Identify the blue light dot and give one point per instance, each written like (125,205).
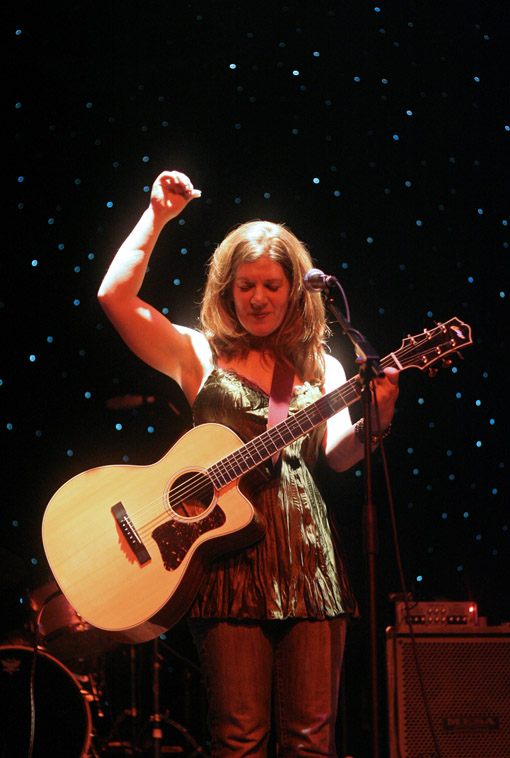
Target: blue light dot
(357,79)
(177,282)
(502,294)
(164,311)
(421,401)
(479,443)
(150,429)
(33,561)
(336,193)
(316,180)
(480,211)
(476,78)
(88,395)
(267,195)
(34,263)
(184,250)
(459,568)
(69,453)
(419,578)
(466,514)
(409,113)
(451,477)
(15,523)
(471,279)
(410,450)
(478,537)
(118,427)
(419,223)
(76,302)
(478,402)
(492,421)
(232,66)
(416,471)
(408,184)
(370,240)
(494,491)
(444,516)
(145,159)
(458,395)
(295,73)
(109,204)
(31,358)
(396,137)
(9,426)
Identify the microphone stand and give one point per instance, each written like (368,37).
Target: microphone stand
(369,369)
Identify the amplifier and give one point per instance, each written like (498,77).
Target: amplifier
(438,614)
(466,676)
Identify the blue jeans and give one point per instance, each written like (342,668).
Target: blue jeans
(258,670)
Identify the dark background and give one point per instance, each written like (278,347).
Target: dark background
(379,134)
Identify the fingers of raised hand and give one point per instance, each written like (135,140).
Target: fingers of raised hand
(176,182)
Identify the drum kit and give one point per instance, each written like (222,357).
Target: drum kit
(69,690)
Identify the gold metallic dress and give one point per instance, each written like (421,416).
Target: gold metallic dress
(292,570)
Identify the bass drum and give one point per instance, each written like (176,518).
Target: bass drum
(63,724)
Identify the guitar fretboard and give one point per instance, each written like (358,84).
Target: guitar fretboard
(273,440)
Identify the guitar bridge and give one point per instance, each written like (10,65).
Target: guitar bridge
(132,537)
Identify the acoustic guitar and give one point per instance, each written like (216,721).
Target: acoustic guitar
(128,545)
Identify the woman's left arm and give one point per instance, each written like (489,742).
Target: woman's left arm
(342,445)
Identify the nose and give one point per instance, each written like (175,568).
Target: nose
(258,299)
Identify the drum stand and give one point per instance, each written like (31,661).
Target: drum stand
(157,718)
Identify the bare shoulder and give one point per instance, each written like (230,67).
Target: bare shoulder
(335,374)
(193,375)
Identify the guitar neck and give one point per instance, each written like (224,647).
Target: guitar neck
(263,447)
(422,351)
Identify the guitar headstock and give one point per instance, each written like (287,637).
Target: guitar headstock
(432,345)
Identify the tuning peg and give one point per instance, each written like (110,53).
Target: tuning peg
(459,354)
(446,362)
(432,372)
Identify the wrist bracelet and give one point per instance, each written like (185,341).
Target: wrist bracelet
(359,431)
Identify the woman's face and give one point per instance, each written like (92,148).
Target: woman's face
(261,296)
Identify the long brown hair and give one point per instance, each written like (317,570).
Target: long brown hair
(301,337)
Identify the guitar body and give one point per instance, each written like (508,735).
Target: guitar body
(135,570)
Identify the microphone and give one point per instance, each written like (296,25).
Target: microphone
(316,280)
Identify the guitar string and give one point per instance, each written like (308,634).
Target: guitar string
(202,482)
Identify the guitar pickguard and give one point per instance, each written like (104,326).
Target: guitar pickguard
(175,538)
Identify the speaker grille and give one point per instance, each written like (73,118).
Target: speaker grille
(467,681)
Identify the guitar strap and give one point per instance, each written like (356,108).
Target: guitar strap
(279,398)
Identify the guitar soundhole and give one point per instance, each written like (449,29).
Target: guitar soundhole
(190,494)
